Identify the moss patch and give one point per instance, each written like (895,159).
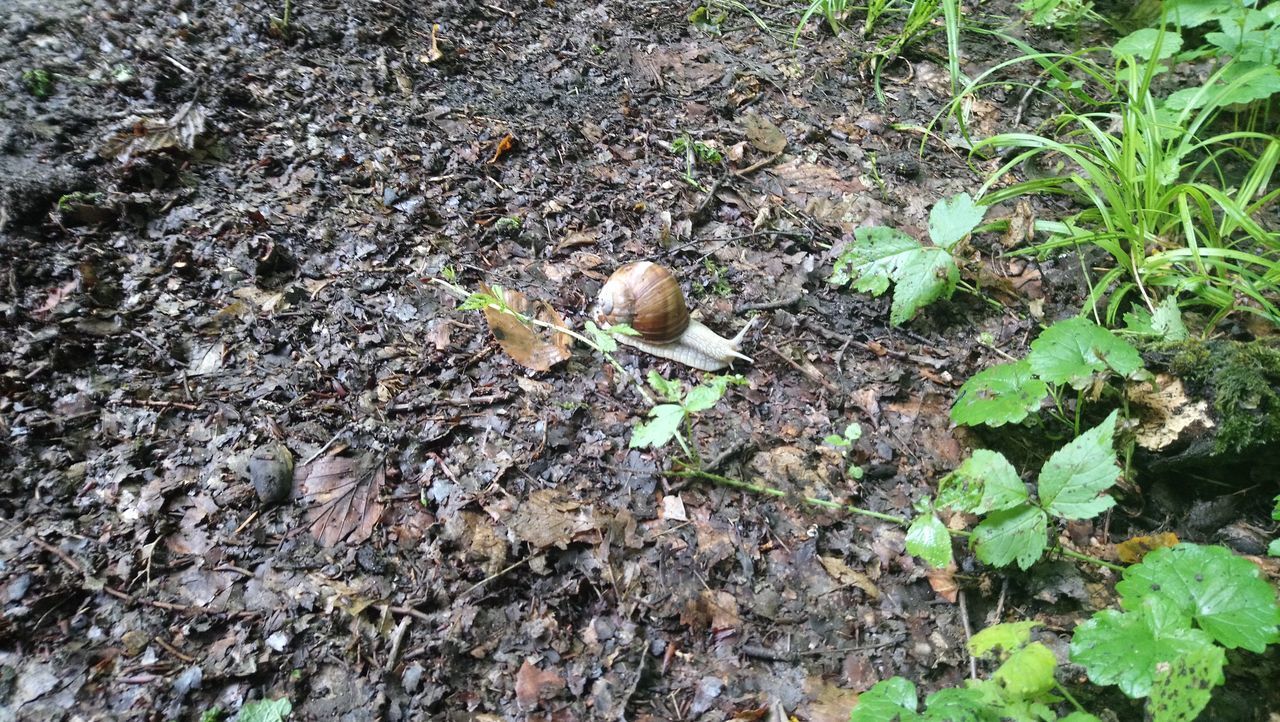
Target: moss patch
(1243,378)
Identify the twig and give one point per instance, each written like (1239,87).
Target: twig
(968,635)
(758,165)
(791,300)
(491,577)
(812,375)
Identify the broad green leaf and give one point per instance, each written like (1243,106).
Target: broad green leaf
(1018,534)
(1224,594)
(922,278)
(662,427)
(1073,479)
(1071,351)
(602,339)
(703,397)
(1000,640)
(873,258)
(1142,44)
(1028,672)
(928,539)
(1273,549)
(671,390)
(266,710)
(1165,323)
(836,440)
(853,431)
(892,699)
(481,301)
(960,704)
(1190,13)
(986,481)
(1127,648)
(1079,717)
(1002,394)
(1183,686)
(951,219)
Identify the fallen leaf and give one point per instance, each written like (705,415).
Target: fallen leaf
(673,509)
(505,145)
(520,341)
(763,134)
(847,576)
(547,518)
(533,685)
(342,497)
(713,610)
(943,582)
(1132,550)
(148,135)
(434,53)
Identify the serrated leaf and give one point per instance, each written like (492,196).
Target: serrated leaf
(1018,534)
(670,390)
(1072,480)
(960,704)
(1190,13)
(928,539)
(603,340)
(922,278)
(892,699)
(1072,351)
(874,256)
(1028,672)
(1002,394)
(267,710)
(1183,685)
(999,640)
(1126,648)
(1142,44)
(1165,323)
(702,397)
(951,219)
(662,427)
(1222,592)
(1079,717)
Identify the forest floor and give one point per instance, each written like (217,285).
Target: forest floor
(219,230)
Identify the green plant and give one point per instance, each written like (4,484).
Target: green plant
(674,419)
(1058,13)
(695,152)
(852,433)
(38,82)
(1075,354)
(280,25)
(719,283)
(508,224)
(921,274)
(1180,607)
(1022,687)
(1274,548)
(833,11)
(213,714)
(1071,485)
(266,710)
(1159,198)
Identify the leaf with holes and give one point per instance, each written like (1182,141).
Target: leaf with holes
(1127,649)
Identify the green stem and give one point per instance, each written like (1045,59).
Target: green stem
(1063,691)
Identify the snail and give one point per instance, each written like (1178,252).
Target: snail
(646,297)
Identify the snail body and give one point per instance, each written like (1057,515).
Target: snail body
(646,297)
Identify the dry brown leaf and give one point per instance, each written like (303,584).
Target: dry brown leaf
(1131,551)
(763,134)
(148,136)
(713,610)
(943,582)
(847,576)
(521,342)
(342,494)
(505,145)
(826,702)
(547,518)
(533,685)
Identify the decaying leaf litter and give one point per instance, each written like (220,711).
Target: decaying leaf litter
(251,452)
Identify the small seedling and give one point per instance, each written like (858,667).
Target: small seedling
(673,420)
(852,433)
(38,82)
(266,710)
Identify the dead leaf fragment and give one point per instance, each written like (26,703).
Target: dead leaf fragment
(435,53)
(1166,412)
(534,685)
(522,342)
(847,576)
(342,494)
(943,582)
(149,136)
(1131,551)
(763,134)
(547,518)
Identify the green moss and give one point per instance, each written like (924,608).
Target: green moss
(1243,378)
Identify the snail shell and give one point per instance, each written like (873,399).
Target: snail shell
(647,297)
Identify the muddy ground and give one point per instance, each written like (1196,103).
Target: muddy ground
(218,232)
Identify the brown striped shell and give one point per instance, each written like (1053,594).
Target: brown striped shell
(646,297)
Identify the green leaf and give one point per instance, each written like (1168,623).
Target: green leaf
(1000,640)
(853,431)
(1028,672)
(1018,534)
(874,256)
(265,711)
(1071,351)
(923,277)
(1273,549)
(960,704)
(1127,648)
(1079,717)
(670,390)
(703,397)
(879,255)
(1002,394)
(891,699)
(664,424)
(928,539)
(1073,479)
(1165,323)
(1142,44)
(836,440)
(481,301)
(1183,686)
(602,339)
(1224,594)
(1190,13)
(951,219)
